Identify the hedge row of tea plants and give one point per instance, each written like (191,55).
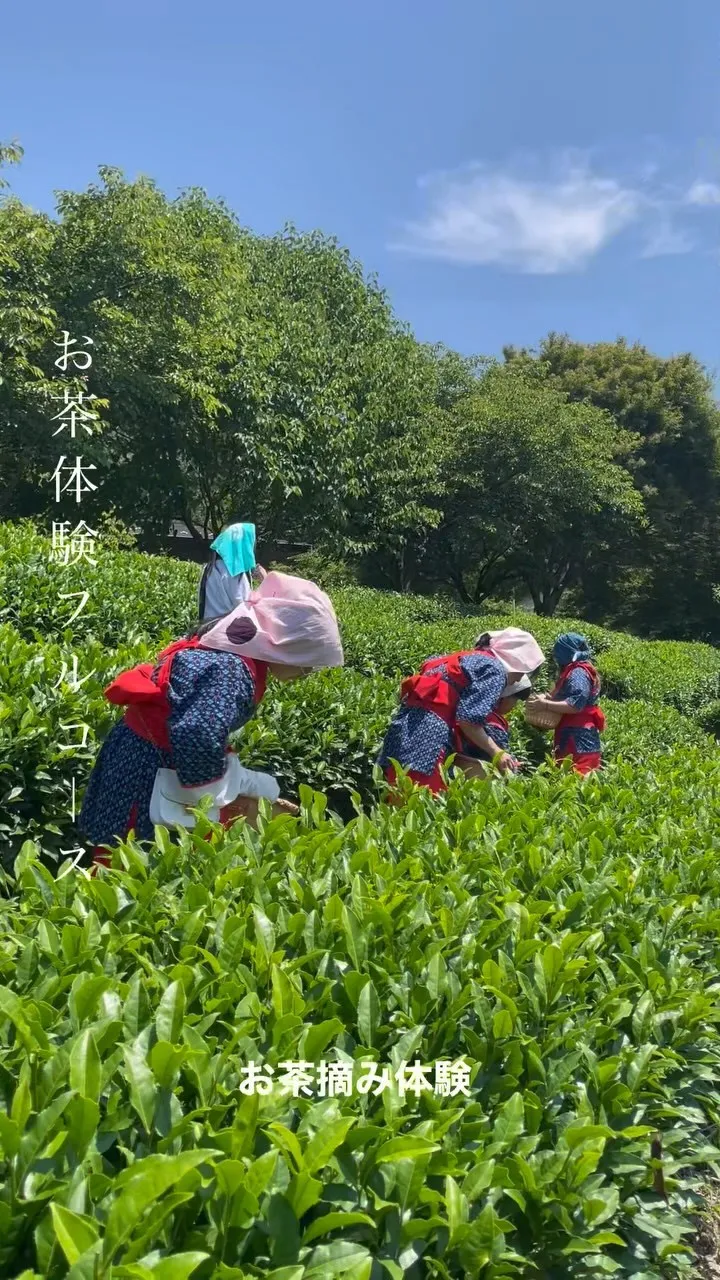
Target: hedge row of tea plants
(131,596)
(562,940)
(559,937)
(324,733)
(382,632)
(137,598)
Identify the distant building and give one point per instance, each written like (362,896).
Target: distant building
(178,529)
(180,543)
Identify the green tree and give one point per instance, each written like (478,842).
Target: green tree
(246,376)
(159,286)
(350,389)
(534,490)
(663,581)
(403,503)
(239,376)
(27,323)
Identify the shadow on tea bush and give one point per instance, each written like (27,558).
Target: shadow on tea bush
(324,732)
(709,718)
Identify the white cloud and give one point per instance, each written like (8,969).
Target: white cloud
(483,216)
(555,222)
(704,194)
(667,240)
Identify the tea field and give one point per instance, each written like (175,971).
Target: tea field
(558,941)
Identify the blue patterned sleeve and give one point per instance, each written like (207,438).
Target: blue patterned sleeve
(210,695)
(577,690)
(487,685)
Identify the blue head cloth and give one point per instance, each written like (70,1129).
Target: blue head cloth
(571,647)
(236,548)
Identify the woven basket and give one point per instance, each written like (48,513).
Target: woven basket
(540,715)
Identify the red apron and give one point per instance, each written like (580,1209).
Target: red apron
(148,708)
(437,688)
(588,718)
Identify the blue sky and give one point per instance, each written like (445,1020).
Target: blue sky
(505,169)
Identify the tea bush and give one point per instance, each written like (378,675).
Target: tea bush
(638,731)
(131,595)
(324,733)
(709,717)
(137,598)
(380,632)
(686,676)
(561,939)
(36,771)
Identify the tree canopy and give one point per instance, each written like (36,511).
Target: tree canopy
(239,376)
(535,490)
(663,582)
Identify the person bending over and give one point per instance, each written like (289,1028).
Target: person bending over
(470,758)
(171,747)
(448,701)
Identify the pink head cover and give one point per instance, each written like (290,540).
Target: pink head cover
(286,620)
(517,650)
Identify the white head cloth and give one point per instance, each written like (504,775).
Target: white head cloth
(511,690)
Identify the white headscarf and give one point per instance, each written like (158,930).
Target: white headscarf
(512,690)
(516,649)
(286,620)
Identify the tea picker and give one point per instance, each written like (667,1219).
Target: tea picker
(497,728)
(446,706)
(171,748)
(227,577)
(572,709)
